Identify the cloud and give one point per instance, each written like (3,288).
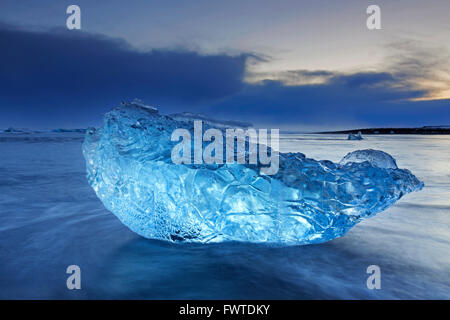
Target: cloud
(62,72)
(305,99)
(341,101)
(418,65)
(344,100)
(69,78)
(291,77)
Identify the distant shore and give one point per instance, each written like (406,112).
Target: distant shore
(420,130)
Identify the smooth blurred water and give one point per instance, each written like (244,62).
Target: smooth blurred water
(50,218)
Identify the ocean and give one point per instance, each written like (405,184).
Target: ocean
(50,218)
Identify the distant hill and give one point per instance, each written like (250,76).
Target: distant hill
(420,130)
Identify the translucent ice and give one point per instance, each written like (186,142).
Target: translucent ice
(352,136)
(129,167)
(376,158)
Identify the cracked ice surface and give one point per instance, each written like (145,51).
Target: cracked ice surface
(129,167)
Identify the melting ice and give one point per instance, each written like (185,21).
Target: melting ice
(129,166)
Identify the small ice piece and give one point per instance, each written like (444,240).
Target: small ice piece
(17,130)
(129,166)
(352,136)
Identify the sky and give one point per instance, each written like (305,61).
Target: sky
(294,65)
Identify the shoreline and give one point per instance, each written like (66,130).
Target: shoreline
(421,130)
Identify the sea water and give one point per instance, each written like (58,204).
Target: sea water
(50,218)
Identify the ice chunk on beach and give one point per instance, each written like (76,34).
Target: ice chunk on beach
(129,166)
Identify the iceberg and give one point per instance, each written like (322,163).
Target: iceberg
(352,136)
(129,166)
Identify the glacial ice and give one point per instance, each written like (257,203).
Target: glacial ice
(218,124)
(129,166)
(376,158)
(357,136)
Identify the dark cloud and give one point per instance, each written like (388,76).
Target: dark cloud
(364,80)
(385,98)
(368,98)
(62,72)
